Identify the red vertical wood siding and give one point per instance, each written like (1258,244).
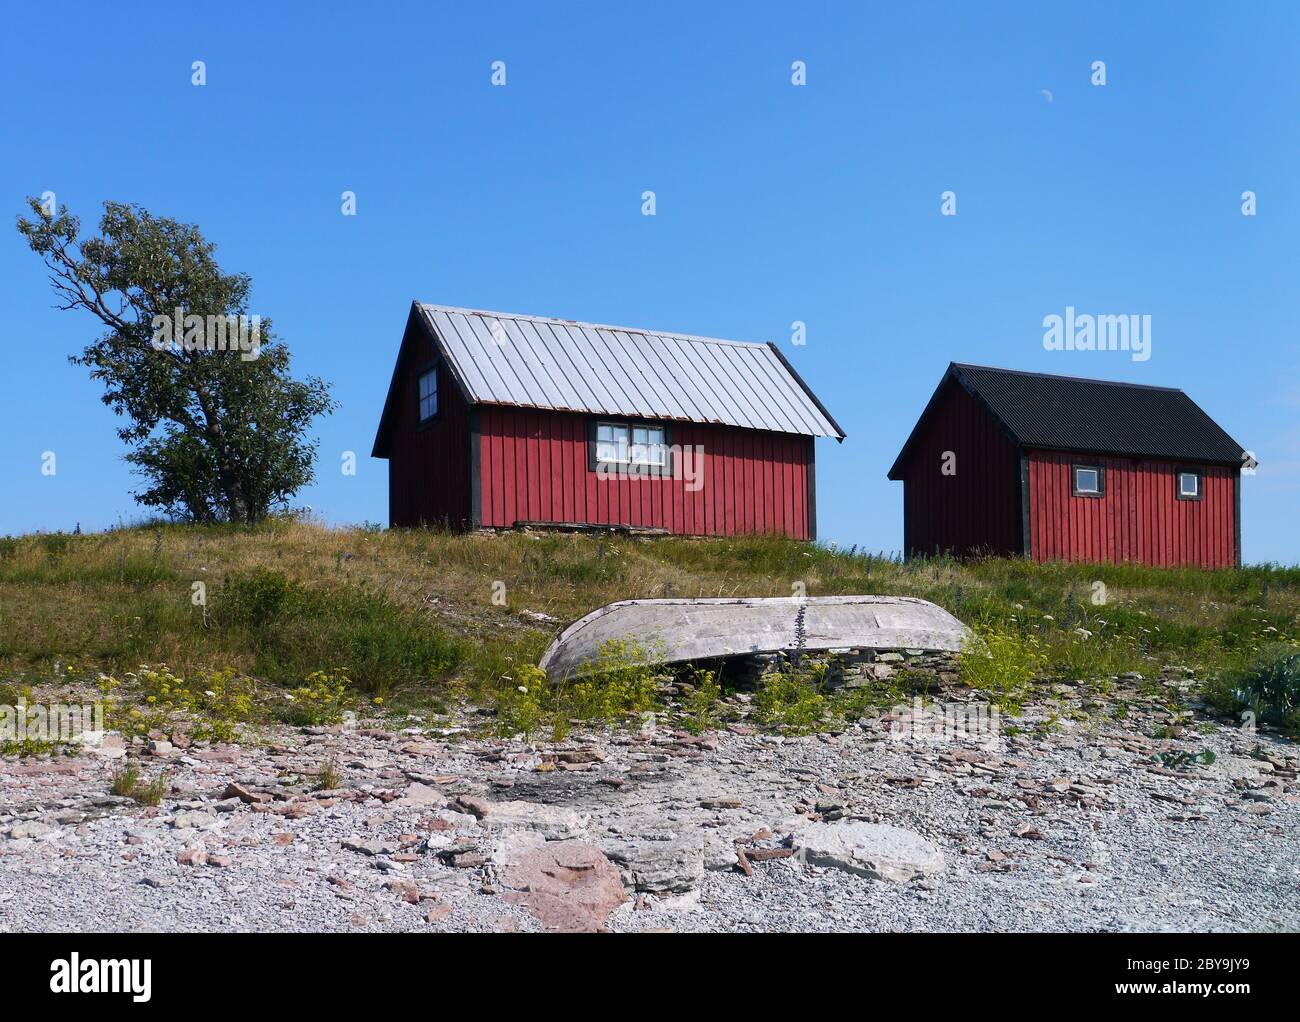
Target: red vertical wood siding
(974,511)
(534,467)
(1138,518)
(428,468)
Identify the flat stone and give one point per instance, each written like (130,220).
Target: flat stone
(1236,768)
(418,794)
(583,755)
(569,886)
(876,850)
(673,865)
(437,912)
(555,822)
(374,846)
(194,818)
(108,747)
(513,846)
(408,890)
(30,828)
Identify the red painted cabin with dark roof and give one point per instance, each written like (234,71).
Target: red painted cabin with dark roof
(1061,468)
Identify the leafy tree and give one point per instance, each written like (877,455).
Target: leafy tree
(217,425)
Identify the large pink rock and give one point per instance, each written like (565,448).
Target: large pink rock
(568,885)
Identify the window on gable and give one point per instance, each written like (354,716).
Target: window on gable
(428,394)
(1089,480)
(1189,484)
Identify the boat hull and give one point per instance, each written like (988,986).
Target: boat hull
(681,630)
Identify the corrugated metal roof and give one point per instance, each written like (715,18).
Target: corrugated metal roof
(1068,413)
(535,362)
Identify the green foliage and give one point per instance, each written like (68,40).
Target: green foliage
(294,629)
(329,776)
(623,684)
(128,783)
(55,543)
(804,698)
(521,701)
(27,746)
(1072,656)
(793,700)
(1268,688)
(226,700)
(490,662)
(214,704)
(701,703)
(1002,664)
(257,599)
(217,431)
(1180,759)
(125,780)
(322,699)
(1272,691)
(12,691)
(873,696)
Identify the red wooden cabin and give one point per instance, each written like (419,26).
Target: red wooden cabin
(1060,468)
(498,420)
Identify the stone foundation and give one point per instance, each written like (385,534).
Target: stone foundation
(851,668)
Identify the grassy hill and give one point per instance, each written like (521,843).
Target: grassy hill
(409,614)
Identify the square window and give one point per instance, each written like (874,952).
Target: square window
(611,443)
(1189,485)
(1088,480)
(428,395)
(648,445)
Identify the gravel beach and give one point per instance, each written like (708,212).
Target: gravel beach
(1082,826)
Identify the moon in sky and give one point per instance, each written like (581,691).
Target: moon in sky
(1047,94)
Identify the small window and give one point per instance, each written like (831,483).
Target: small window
(428,394)
(1189,484)
(648,445)
(1089,480)
(611,443)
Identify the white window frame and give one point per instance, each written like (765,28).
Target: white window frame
(431,397)
(1196,474)
(642,447)
(1098,472)
(621,444)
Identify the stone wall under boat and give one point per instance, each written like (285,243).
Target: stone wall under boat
(852,669)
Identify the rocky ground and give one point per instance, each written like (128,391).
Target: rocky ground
(1081,826)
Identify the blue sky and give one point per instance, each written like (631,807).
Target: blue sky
(775,203)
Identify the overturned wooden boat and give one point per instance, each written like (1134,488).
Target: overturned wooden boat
(681,630)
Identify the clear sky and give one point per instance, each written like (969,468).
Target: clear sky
(774,203)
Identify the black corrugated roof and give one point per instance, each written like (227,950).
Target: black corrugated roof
(1068,413)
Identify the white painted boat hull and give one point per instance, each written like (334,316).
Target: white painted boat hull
(681,630)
